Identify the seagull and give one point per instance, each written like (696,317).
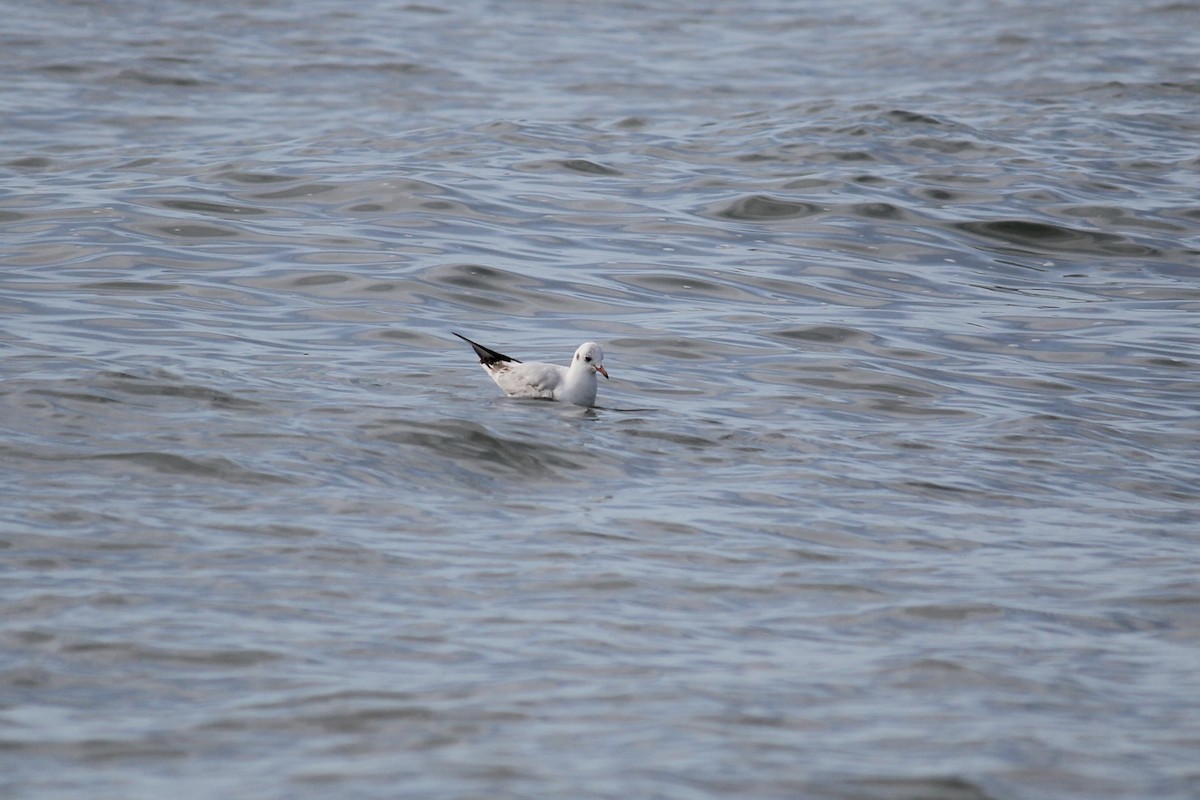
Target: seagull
(575,384)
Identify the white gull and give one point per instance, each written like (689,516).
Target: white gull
(575,384)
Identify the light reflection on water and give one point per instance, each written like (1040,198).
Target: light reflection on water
(892,492)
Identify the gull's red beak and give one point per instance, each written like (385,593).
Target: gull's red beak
(602,370)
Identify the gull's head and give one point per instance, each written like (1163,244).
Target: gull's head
(591,357)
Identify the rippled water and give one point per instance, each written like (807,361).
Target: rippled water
(893,492)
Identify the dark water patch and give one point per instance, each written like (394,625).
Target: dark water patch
(667,285)
(30,162)
(688,440)
(334,699)
(886,211)
(389,67)
(421,720)
(905,787)
(866,381)
(1115,216)
(478,449)
(375,718)
(903,117)
(68,69)
(955,613)
(303,190)
(320,279)
(146,78)
(686,348)
(578,165)
(950,146)
(252,178)
(812,185)
(102,752)
(166,384)
(826,334)
(1023,236)
(118,651)
(853,156)
(277,531)
(209,208)
(196,232)
(74,396)
(209,467)
(127,287)
(1164,362)
(478,276)
(940,195)
(509,291)
(762,208)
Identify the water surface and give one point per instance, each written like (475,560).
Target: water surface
(892,494)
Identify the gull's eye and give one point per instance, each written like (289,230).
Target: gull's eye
(587,359)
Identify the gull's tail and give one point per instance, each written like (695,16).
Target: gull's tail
(487,356)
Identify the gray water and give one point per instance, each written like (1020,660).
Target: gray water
(894,492)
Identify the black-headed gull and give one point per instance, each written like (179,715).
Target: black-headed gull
(575,384)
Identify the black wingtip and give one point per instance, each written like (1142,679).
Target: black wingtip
(487,356)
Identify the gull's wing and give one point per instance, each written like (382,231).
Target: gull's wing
(534,379)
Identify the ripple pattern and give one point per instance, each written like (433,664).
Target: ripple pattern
(892,494)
